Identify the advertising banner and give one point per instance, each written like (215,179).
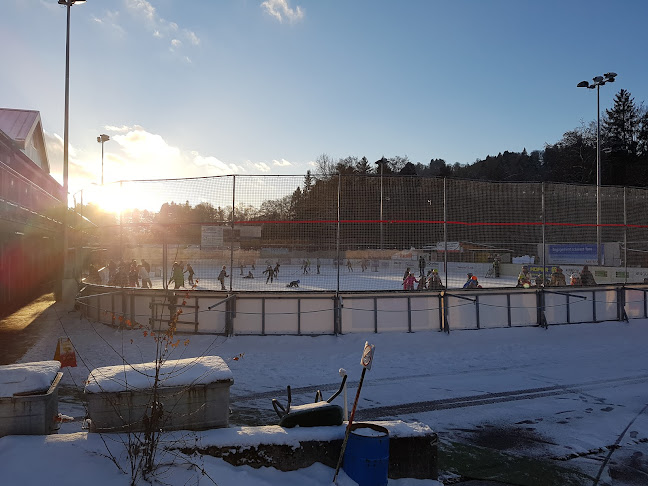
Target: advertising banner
(577,253)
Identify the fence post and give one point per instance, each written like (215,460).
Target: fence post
(625,238)
(121,228)
(165,256)
(445,232)
(231,276)
(544,220)
(337,238)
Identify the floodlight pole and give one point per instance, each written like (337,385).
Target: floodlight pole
(68,283)
(598,174)
(598,82)
(101,139)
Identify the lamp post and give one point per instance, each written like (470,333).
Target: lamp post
(598,81)
(68,283)
(101,139)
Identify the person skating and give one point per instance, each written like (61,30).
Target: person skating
(318,266)
(587,279)
(558,278)
(177,276)
(222,276)
(191,273)
(434,281)
(409,281)
(349,265)
(422,265)
(270,272)
(275,270)
(146,265)
(145,277)
(524,279)
(249,275)
(294,283)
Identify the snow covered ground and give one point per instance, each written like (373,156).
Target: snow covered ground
(572,396)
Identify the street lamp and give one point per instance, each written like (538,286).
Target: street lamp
(101,139)
(598,81)
(68,284)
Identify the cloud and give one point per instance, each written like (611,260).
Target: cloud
(110,20)
(280,10)
(216,164)
(175,43)
(262,166)
(281,163)
(158,26)
(192,37)
(122,129)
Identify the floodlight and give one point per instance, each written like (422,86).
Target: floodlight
(583,84)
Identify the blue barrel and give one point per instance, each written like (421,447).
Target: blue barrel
(366,457)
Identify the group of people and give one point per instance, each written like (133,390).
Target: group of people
(431,281)
(177,274)
(558,278)
(124,274)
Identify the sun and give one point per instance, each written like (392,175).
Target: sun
(116,198)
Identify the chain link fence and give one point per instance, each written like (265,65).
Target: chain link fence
(357,233)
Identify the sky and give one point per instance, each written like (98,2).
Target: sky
(187,89)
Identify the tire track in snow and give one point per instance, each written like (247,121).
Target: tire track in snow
(490,398)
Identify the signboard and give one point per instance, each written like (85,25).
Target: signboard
(577,253)
(211,236)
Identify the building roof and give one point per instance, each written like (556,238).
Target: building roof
(24,127)
(18,124)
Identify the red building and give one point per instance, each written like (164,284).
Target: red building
(31,206)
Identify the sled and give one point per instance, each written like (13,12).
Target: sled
(317,414)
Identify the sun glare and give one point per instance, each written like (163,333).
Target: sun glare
(114,199)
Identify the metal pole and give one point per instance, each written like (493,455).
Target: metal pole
(544,262)
(445,231)
(66,270)
(625,237)
(232,243)
(338,234)
(121,227)
(598,175)
(382,163)
(102,163)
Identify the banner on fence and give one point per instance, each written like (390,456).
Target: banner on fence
(575,253)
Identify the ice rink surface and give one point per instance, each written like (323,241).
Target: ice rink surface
(326,280)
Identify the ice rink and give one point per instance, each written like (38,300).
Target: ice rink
(356,280)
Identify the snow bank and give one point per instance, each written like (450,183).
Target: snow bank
(273,434)
(180,372)
(27,377)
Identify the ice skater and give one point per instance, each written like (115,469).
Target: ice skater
(318,266)
(191,273)
(249,275)
(222,276)
(270,272)
(422,265)
(294,283)
(349,265)
(177,276)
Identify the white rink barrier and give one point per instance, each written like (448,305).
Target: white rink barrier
(316,313)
